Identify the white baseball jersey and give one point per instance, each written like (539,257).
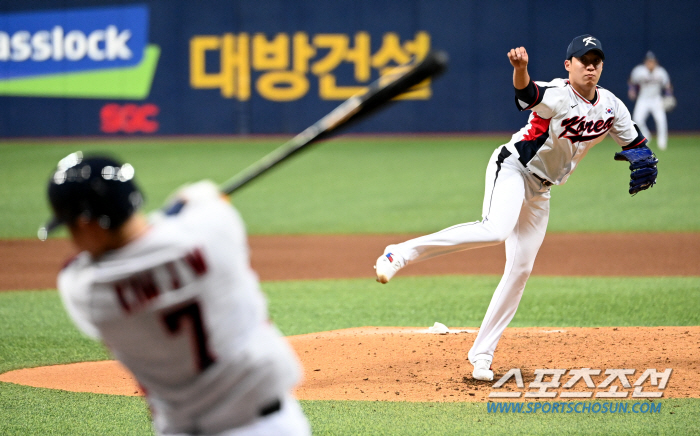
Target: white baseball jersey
(181,308)
(651,83)
(563,126)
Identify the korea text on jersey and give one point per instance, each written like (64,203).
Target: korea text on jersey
(575,407)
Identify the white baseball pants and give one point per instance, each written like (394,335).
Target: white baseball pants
(655,106)
(515,210)
(289,421)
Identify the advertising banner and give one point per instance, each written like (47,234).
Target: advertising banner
(156,67)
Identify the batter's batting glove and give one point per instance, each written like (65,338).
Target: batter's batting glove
(643,166)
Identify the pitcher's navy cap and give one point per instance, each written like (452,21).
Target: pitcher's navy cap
(582,45)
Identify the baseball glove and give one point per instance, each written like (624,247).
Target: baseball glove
(643,166)
(669,103)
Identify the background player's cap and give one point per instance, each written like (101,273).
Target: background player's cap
(96,187)
(582,45)
(650,56)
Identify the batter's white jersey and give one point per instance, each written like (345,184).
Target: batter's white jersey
(182,310)
(651,83)
(563,126)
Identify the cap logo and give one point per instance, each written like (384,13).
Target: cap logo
(589,40)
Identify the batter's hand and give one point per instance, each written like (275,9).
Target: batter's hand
(518,57)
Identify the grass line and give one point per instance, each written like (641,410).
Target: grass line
(367,185)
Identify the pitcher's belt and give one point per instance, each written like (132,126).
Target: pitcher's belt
(545,182)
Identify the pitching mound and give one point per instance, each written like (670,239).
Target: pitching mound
(410,364)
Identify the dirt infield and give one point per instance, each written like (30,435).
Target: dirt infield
(31,264)
(407,364)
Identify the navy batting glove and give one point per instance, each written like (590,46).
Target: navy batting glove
(642,165)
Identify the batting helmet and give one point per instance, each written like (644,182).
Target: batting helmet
(96,188)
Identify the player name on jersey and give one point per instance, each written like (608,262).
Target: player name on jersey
(137,290)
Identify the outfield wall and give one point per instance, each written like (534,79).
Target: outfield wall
(114,68)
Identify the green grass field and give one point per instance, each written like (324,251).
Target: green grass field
(364,185)
(306,306)
(367,185)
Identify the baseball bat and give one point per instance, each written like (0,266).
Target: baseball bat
(379,94)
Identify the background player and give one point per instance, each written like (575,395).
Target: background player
(175,301)
(647,83)
(568,118)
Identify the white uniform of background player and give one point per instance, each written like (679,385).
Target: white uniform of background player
(649,84)
(181,308)
(563,126)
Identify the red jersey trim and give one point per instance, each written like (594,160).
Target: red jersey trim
(597,100)
(636,144)
(537,98)
(538,127)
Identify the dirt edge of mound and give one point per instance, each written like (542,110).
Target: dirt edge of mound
(411,364)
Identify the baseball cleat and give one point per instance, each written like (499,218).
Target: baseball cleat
(388,264)
(482,370)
